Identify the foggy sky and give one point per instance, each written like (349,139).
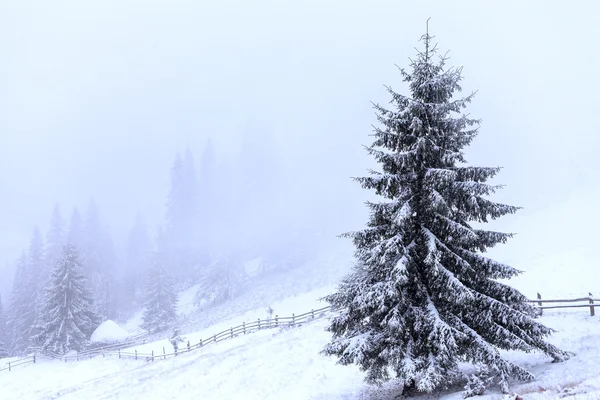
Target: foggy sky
(97,96)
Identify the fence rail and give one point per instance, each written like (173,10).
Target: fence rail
(19,361)
(115,350)
(590,303)
(230,333)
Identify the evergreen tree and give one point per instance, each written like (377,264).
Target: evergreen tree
(92,233)
(258,180)
(222,280)
(21,309)
(190,194)
(138,260)
(39,273)
(3,333)
(67,319)
(422,297)
(75,233)
(26,299)
(181,215)
(36,259)
(161,298)
(208,201)
(55,240)
(106,294)
(98,261)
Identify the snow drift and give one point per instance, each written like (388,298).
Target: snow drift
(109,332)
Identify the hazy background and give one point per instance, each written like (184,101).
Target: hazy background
(97,96)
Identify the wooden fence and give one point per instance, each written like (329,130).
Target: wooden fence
(121,350)
(243,329)
(19,361)
(589,300)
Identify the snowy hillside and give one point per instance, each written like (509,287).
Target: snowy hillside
(277,364)
(263,291)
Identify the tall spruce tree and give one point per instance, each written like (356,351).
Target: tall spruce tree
(223,279)
(138,259)
(180,232)
(26,299)
(39,272)
(75,234)
(67,319)
(3,333)
(21,311)
(106,295)
(55,240)
(161,299)
(422,297)
(208,201)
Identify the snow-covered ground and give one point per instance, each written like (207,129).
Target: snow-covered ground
(262,292)
(286,364)
(109,332)
(276,364)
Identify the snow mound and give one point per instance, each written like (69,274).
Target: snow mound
(109,332)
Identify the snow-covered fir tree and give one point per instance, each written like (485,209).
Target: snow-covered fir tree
(67,319)
(26,295)
(3,333)
(40,271)
(75,234)
(55,238)
(180,232)
(161,299)
(92,232)
(257,179)
(21,311)
(422,296)
(36,258)
(93,268)
(98,260)
(106,295)
(222,280)
(209,202)
(138,258)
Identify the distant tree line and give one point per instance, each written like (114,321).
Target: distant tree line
(218,216)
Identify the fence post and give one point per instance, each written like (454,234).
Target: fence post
(244,327)
(592,313)
(539,296)
(119,353)
(164,354)
(293,319)
(200,343)
(276,320)
(34,354)
(215,338)
(312,313)
(188,345)
(152,355)
(259,324)
(135,354)
(231,332)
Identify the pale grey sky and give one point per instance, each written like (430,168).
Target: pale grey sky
(97,96)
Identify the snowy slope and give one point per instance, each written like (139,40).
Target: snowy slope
(277,364)
(262,292)
(556,247)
